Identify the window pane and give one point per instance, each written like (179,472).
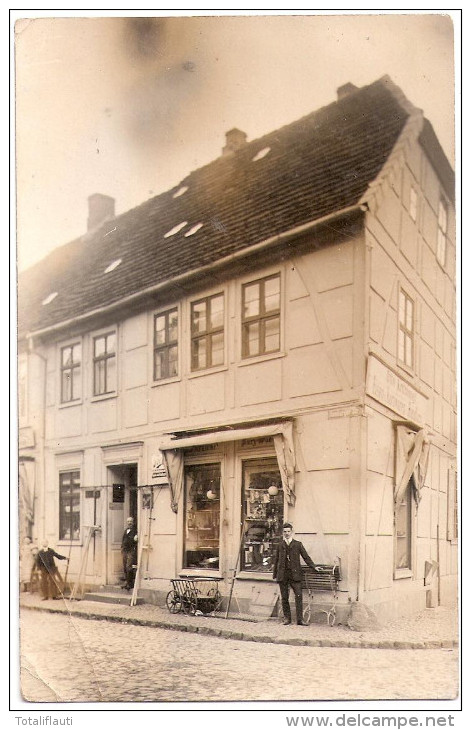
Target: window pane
(111,343)
(401,349)
(66,356)
(408,358)
(77,353)
(66,386)
(263,512)
(99,379)
(99,346)
(76,384)
(272,334)
(198,354)
(402,308)
(111,374)
(173,327)
(253,338)
(202,516)
(198,317)
(160,330)
(217,312)
(251,300)
(272,294)
(159,365)
(409,313)
(217,349)
(173,362)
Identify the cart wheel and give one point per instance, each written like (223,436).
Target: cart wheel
(174,602)
(307,614)
(189,603)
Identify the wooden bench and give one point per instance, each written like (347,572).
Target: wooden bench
(325,579)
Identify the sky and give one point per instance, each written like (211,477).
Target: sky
(128,106)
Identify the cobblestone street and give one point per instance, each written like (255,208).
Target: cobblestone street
(70,659)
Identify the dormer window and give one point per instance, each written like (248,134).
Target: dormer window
(49,298)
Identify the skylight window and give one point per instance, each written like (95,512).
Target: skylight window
(180,191)
(49,298)
(114,265)
(261,154)
(175,229)
(193,230)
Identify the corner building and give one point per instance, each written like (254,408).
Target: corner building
(273,339)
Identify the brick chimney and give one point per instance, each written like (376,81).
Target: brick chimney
(100,208)
(235,139)
(346,90)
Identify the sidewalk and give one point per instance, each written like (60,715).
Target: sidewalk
(433,628)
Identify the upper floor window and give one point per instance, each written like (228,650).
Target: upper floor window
(413,204)
(166,344)
(406,329)
(261,316)
(71,360)
(104,363)
(207,332)
(69,505)
(442,231)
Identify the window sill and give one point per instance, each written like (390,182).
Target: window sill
(248,575)
(401,573)
(71,403)
(166,381)
(260,358)
(199,573)
(207,371)
(405,368)
(105,396)
(69,543)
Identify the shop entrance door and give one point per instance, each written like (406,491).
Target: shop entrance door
(122,503)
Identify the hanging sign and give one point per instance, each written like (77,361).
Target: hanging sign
(393,392)
(158,470)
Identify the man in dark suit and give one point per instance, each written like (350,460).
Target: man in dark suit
(129,553)
(287,572)
(51,580)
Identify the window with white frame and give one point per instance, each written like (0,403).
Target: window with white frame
(406,329)
(403,530)
(166,344)
(261,318)
(104,363)
(207,332)
(442,232)
(69,505)
(71,381)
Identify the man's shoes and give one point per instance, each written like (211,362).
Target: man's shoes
(302,623)
(286,622)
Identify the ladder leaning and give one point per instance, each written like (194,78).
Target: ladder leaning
(143,545)
(80,582)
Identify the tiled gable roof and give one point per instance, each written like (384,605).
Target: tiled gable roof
(315,166)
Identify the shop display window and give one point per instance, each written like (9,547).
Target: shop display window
(202,516)
(262,505)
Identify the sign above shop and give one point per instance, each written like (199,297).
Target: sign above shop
(387,388)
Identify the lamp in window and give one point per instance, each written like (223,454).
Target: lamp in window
(211,494)
(272,490)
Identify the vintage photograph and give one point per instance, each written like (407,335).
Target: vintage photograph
(237,371)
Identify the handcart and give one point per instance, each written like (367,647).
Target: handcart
(190,594)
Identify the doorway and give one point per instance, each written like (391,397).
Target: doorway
(122,503)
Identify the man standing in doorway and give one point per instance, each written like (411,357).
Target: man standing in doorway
(129,553)
(287,572)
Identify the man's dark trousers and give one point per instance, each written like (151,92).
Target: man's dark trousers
(296,585)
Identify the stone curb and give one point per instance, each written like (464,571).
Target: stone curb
(241,636)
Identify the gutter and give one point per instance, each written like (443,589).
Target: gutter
(258,247)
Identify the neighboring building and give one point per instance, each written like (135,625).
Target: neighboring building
(283,318)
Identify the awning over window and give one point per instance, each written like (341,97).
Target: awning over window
(282,433)
(412,452)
